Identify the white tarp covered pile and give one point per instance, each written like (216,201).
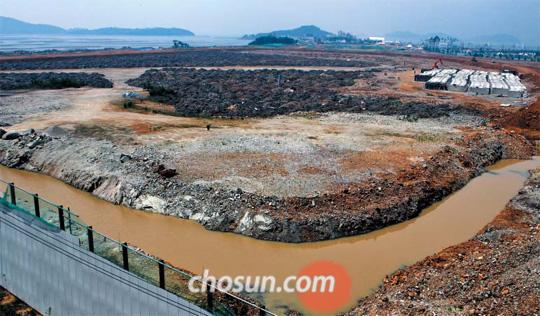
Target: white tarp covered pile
(479,84)
(426,75)
(441,79)
(476,82)
(498,84)
(515,88)
(460,82)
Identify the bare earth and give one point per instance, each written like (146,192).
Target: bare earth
(295,155)
(308,176)
(295,170)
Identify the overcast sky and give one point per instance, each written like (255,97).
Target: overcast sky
(463,18)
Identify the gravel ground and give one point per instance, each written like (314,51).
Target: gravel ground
(35,103)
(145,177)
(294,178)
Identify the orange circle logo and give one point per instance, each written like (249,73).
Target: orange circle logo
(329,286)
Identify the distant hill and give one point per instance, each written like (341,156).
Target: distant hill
(300,32)
(14,26)
(496,39)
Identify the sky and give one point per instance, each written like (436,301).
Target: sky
(461,18)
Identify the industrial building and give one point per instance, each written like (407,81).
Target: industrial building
(474,82)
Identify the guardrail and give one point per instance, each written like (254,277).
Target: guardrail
(147,267)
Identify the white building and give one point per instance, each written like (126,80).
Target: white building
(378,39)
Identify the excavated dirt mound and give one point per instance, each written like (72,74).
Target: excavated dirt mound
(264,93)
(527,119)
(237,93)
(51,80)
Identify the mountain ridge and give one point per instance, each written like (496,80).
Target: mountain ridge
(299,32)
(13,26)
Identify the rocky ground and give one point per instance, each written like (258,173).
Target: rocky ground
(52,80)
(495,273)
(11,305)
(304,176)
(142,177)
(36,103)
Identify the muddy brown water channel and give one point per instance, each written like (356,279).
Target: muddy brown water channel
(368,258)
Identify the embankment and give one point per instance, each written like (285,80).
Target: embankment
(138,179)
(495,273)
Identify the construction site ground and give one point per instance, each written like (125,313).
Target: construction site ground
(330,174)
(303,155)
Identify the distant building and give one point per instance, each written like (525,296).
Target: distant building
(377,39)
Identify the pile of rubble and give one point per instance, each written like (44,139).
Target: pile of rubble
(184,58)
(239,93)
(52,80)
(475,82)
(266,93)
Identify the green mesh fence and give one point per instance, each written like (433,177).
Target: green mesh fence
(143,265)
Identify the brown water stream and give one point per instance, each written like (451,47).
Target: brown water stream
(368,258)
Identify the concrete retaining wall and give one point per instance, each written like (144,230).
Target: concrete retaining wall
(44,267)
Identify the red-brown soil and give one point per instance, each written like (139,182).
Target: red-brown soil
(495,273)
(10,305)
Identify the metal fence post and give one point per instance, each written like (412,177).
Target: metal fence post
(209,298)
(61,217)
(90,233)
(125,255)
(162,274)
(262,311)
(36,205)
(12,193)
(69,221)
